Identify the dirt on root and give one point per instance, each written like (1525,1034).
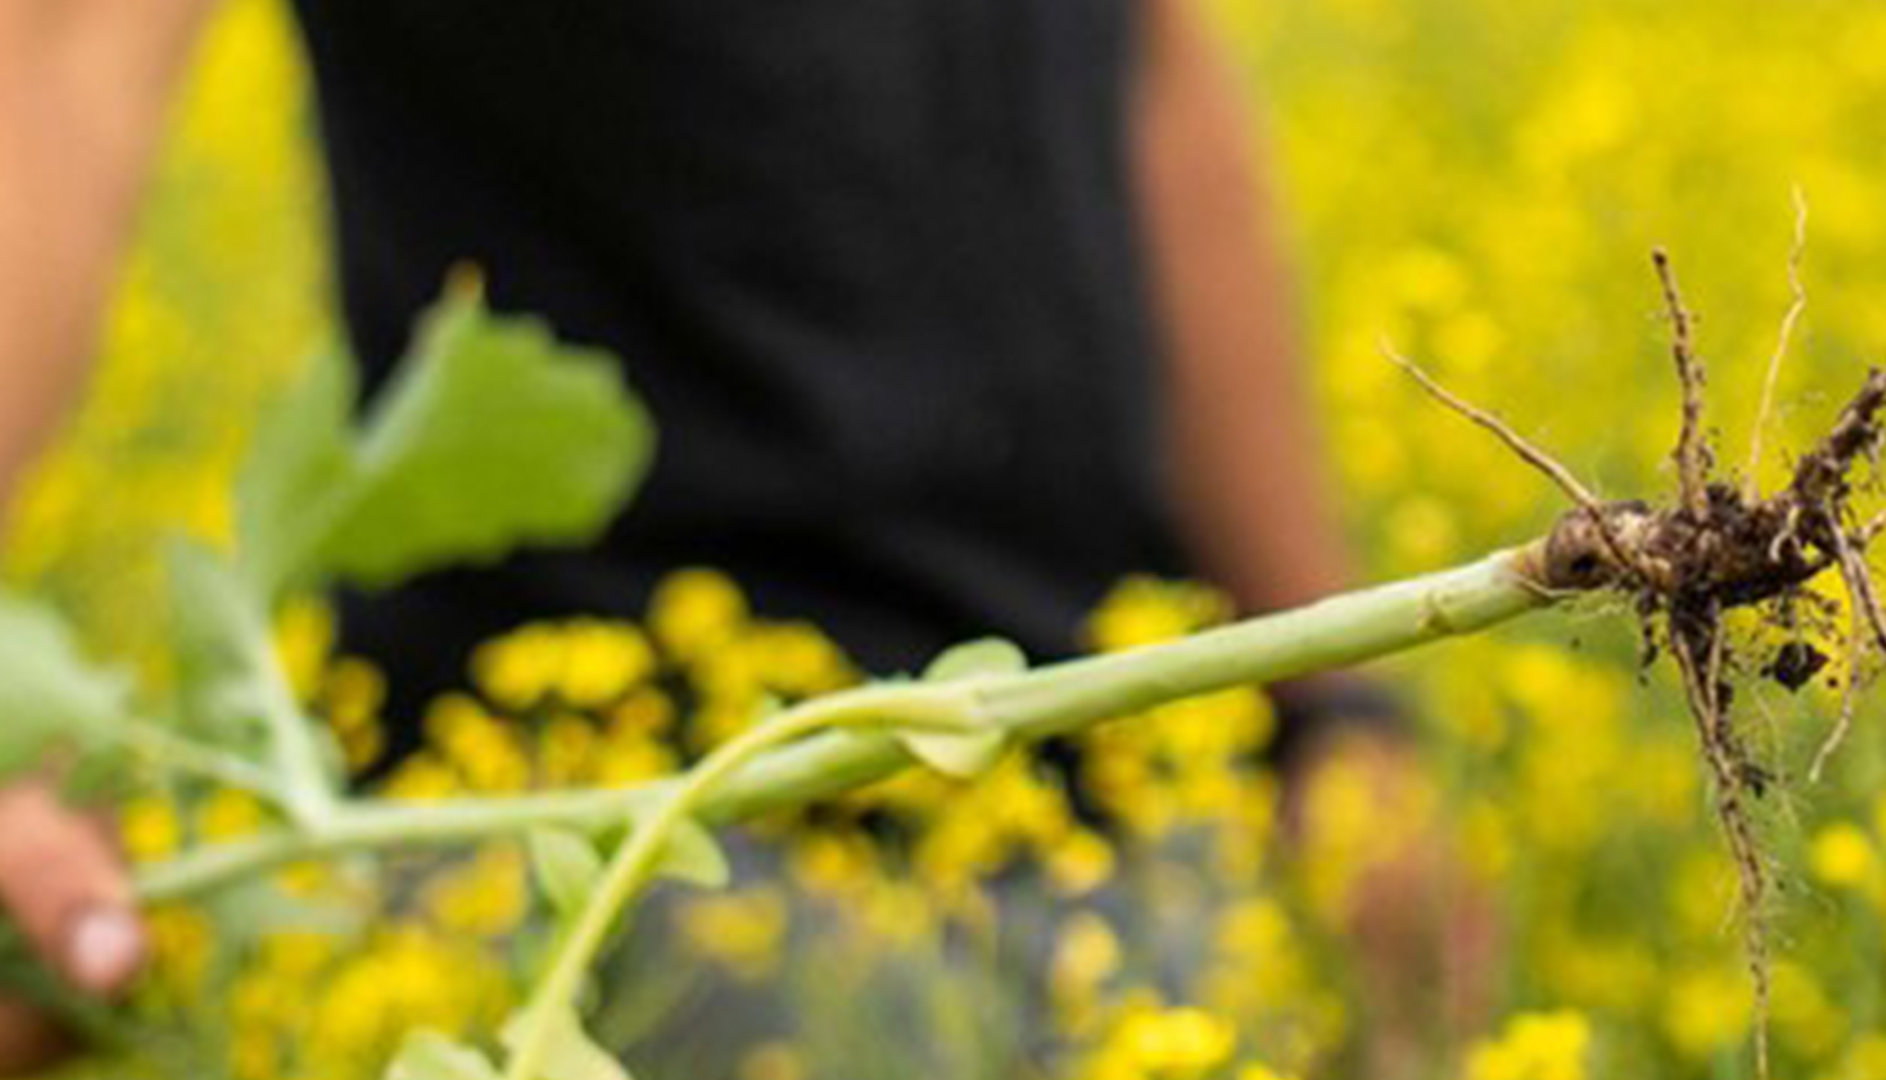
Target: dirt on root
(1720,545)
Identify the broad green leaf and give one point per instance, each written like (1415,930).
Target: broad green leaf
(566,866)
(295,478)
(49,693)
(428,1055)
(569,1052)
(694,856)
(966,753)
(492,436)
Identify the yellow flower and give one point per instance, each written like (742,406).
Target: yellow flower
(227,815)
(1534,1046)
(694,612)
(149,829)
(1706,1010)
(1086,954)
(741,931)
(1142,610)
(486,897)
(1177,1043)
(1842,857)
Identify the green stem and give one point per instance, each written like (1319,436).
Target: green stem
(936,706)
(1037,704)
(188,755)
(307,785)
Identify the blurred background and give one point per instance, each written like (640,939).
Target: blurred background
(1481,182)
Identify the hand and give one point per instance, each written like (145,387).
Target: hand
(64,885)
(1426,937)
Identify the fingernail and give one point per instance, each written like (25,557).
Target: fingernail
(104,950)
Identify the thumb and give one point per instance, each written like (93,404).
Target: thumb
(64,884)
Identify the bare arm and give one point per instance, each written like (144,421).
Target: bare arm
(83,90)
(1250,481)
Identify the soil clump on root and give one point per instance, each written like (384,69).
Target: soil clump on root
(1720,546)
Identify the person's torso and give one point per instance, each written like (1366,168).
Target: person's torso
(872,263)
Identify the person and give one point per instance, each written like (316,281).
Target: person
(951,311)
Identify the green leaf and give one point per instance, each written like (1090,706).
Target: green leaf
(49,693)
(694,856)
(428,1055)
(962,755)
(970,753)
(492,436)
(295,478)
(974,659)
(230,686)
(218,640)
(568,1051)
(566,866)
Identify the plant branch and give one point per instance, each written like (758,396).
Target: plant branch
(1035,705)
(940,707)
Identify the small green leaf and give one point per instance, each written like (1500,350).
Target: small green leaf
(963,755)
(492,436)
(966,754)
(972,659)
(218,640)
(48,691)
(694,856)
(568,1051)
(428,1055)
(566,866)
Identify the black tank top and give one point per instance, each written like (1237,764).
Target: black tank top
(872,263)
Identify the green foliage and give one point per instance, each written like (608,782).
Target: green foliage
(49,693)
(427,1055)
(566,867)
(694,856)
(220,646)
(492,436)
(971,752)
(568,1051)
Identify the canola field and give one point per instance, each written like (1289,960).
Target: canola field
(1479,182)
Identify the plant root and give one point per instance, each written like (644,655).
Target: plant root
(1721,546)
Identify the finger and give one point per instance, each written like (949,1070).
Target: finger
(67,889)
(30,1041)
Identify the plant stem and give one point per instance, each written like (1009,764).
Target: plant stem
(188,755)
(1034,705)
(936,706)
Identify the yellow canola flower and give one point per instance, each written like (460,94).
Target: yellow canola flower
(149,829)
(304,639)
(1176,1043)
(743,932)
(1706,1010)
(227,815)
(583,663)
(1086,954)
(1142,610)
(402,979)
(693,612)
(352,694)
(1534,1046)
(1842,856)
(487,897)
